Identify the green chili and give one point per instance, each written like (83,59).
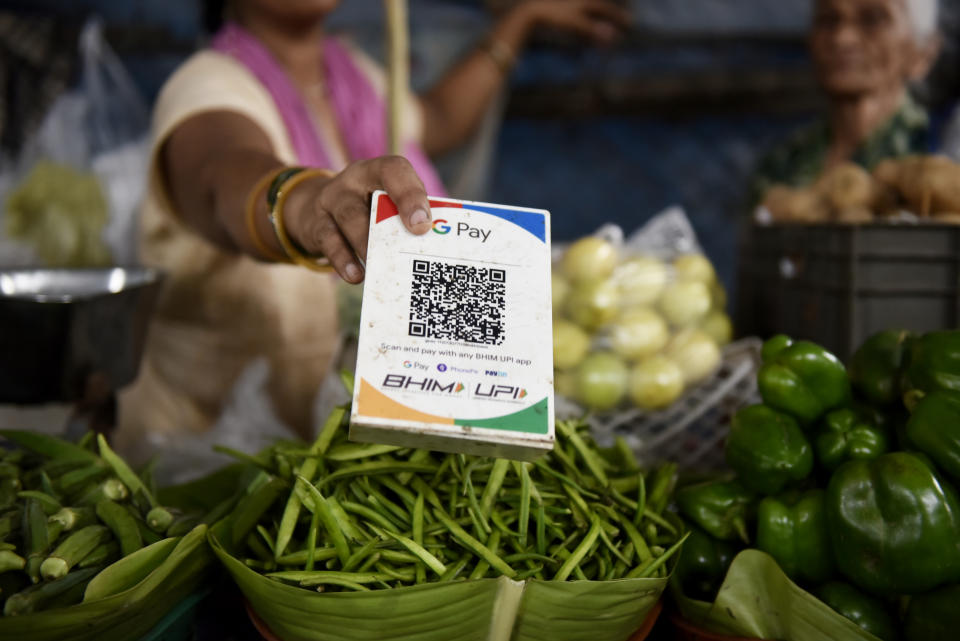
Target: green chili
(329,521)
(474,545)
(494,483)
(589,457)
(368,513)
(353,451)
(648,568)
(579,552)
(318,577)
(524,501)
(541,530)
(641,499)
(418,550)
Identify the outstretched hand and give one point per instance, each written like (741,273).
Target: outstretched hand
(331,216)
(599,20)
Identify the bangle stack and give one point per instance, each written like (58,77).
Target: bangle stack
(280,189)
(279,184)
(251,211)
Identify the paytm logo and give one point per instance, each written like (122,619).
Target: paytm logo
(440,226)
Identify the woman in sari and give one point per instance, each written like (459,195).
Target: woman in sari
(275,117)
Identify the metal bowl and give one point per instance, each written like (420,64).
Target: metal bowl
(69,334)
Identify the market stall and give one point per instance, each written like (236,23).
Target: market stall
(526,439)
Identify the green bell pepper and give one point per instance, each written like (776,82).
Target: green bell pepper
(721,508)
(844,436)
(703,564)
(773,346)
(793,530)
(871,614)
(801,378)
(933,363)
(895,527)
(934,429)
(767,449)
(933,615)
(890,419)
(875,367)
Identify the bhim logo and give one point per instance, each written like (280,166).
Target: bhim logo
(440,226)
(426,384)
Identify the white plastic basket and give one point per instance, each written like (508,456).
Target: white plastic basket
(692,430)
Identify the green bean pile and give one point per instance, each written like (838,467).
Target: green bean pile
(76,523)
(348,516)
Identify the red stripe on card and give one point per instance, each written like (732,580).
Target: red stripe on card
(385,208)
(445,203)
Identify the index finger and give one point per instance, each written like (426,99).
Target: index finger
(400,181)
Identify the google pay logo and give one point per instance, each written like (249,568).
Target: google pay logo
(440,226)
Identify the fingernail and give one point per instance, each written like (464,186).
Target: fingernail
(353,272)
(419,217)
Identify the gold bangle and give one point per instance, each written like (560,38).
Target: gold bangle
(321,264)
(251,216)
(501,54)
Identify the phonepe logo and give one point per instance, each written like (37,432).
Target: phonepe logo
(417,384)
(442,226)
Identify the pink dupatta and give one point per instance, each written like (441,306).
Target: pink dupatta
(359,110)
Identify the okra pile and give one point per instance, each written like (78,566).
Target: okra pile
(346,516)
(68,512)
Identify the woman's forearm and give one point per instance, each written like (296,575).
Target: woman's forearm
(210,183)
(218,167)
(456,105)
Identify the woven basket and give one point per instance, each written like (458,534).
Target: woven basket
(692,430)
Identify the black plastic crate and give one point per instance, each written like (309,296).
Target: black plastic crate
(837,285)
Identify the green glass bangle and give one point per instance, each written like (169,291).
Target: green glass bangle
(277,183)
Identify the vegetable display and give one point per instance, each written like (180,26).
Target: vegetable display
(801,379)
(871,614)
(932,364)
(895,525)
(793,531)
(767,449)
(845,436)
(853,502)
(86,549)
(632,329)
(925,186)
(342,516)
(368,542)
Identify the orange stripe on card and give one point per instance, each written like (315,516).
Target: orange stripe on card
(374,403)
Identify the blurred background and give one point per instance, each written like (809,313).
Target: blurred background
(676,113)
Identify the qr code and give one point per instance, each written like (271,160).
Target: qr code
(457,302)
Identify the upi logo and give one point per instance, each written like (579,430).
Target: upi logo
(440,226)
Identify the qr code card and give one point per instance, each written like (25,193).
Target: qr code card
(455,349)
